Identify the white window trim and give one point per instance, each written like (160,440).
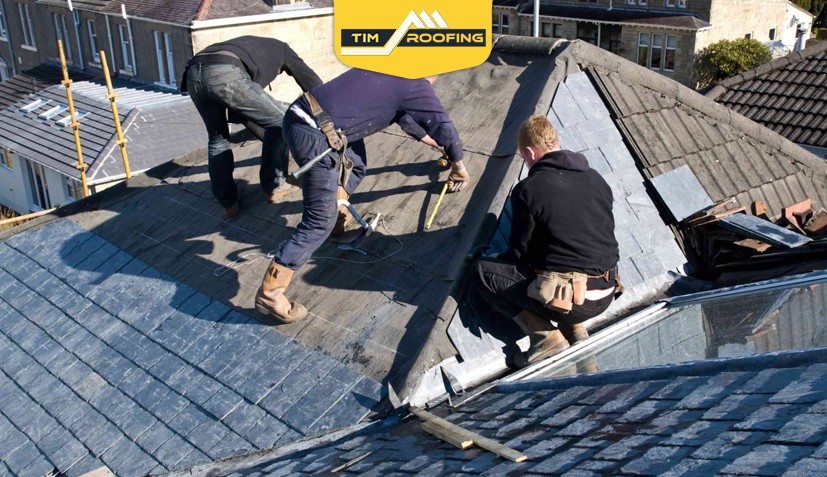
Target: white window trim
(648,47)
(631,2)
(28,27)
(126,51)
(93,44)
(500,24)
(4,24)
(667,48)
(682,3)
(642,3)
(62,32)
(7,157)
(749,35)
(159,56)
(652,47)
(170,58)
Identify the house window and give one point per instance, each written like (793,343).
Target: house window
(557,30)
(772,33)
(643,49)
(126,50)
(748,36)
(656,60)
(683,3)
(28,26)
(62,33)
(669,57)
(642,2)
(6,161)
(39,185)
(631,2)
(4,26)
(73,188)
(500,23)
(547,30)
(4,69)
(587,32)
(166,61)
(670,3)
(93,41)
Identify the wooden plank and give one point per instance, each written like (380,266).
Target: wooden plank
(458,441)
(481,441)
(350,463)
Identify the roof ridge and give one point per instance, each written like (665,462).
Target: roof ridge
(796,57)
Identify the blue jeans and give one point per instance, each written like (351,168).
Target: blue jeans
(319,186)
(216,88)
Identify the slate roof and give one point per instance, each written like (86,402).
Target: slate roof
(108,361)
(787,95)
(619,15)
(158,124)
(764,415)
(33,80)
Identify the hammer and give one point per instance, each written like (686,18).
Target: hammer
(367,229)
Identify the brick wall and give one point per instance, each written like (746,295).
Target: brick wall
(311,38)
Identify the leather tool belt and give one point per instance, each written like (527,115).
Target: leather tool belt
(335,138)
(560,291)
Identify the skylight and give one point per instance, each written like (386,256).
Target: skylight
(80,114)
(52,112)
(34,105)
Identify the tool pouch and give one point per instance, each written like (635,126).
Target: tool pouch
(559,291)
(325,124)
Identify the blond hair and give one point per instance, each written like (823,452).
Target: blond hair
(538,132)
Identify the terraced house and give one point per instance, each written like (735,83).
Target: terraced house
(150,41)
(663,35)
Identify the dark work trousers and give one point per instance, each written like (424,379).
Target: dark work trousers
(319,186)
(215,88)
(504,286)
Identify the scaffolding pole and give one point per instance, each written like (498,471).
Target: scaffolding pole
(75,125)
(112,97)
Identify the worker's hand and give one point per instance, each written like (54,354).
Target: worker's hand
(459,177)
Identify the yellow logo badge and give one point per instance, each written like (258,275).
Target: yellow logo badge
(412,38)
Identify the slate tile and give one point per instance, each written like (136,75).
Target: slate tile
(698,433)
(86,465)
(11,439)
(231,445)
(101,437)
(807,467)
(152,394)
(222,402)
(22,457)
(40,466)
(208,435)
(768,381)
(154,437)
(562,461)
(119,454)
(326,392)
(274,371)
(296,384)
(68,455)
(169,407)
(770,418)
(243,417)
(266,432)
(138,466)
(203,389)
(768,460)
(656,460)
(567,416)
(193,458)
(138,422)
(188,419)
(167,367)
(804,429)
(736,407)
(135,382)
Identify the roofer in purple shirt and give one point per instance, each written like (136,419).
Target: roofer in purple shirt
(357,104)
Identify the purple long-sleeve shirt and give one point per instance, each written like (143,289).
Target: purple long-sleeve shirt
(362,103)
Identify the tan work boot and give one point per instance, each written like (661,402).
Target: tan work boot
(573,333)
(344,218)
(232,211)
(280,192)
(270,299)
(545,340)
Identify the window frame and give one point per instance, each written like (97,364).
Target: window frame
(502,25)
(93,40)
(653,45)
(4,23)
(126,49)
(6,161)
(648,46)
(72,188)
(667,49)
(60,22)
(550,26)
(29,37)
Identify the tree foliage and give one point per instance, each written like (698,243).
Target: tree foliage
(727,58)
(816,7)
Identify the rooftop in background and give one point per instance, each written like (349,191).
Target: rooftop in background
(159,124)
(613,15)
(183,12)
(787,95)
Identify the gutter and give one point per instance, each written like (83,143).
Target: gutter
(267,17)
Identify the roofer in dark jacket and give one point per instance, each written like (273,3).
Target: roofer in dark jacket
(561,262)
(359,103)
(230,77)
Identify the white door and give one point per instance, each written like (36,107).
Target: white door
(38,185)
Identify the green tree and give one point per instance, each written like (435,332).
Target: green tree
(816,7)
(727,58)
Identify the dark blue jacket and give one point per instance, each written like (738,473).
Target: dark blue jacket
(364,102)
